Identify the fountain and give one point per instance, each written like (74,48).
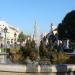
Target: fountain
(37,37)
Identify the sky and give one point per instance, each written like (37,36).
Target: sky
(24,13)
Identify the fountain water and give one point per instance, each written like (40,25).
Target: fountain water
(37,37)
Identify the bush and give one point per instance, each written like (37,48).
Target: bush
(61,58)
(15,55)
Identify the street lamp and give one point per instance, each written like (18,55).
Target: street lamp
(51,27)
(5,41)
(15,39)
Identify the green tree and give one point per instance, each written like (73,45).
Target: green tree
(21,37)
(42,49)
(32,50)
(29,50)
(51,51)
(66,29)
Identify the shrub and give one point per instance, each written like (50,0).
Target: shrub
(15,55)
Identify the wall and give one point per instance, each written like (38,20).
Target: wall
(32,69)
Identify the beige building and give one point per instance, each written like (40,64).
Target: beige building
(11,34)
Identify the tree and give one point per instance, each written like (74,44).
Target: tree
(42,49)
(51,51)
(29,50)
(21,37)
(32,50)
(66,29)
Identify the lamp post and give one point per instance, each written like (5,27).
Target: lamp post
(5,40)
(15,39)
(51,27)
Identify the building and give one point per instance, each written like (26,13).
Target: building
(10,36)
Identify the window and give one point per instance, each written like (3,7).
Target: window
(11,40)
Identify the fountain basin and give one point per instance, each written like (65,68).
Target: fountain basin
(37,68)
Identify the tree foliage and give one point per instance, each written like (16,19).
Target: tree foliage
(29,50)
(21,37)
(51,51)
(42,49)
(66,29)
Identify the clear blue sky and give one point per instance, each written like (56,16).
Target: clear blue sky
(22,13)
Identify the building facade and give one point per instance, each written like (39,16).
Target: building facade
(11,34)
